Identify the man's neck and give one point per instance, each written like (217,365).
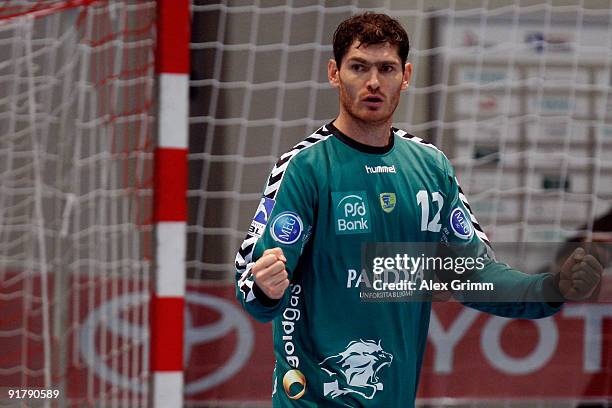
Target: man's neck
(371,134)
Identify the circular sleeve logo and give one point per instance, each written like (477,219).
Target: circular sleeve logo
(461,225)
(294,384)
(287,228)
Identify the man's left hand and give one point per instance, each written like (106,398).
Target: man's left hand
(579,276)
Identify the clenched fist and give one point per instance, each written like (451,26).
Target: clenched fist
(270,274)
(580,275)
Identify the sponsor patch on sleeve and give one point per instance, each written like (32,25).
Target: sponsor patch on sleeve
(287,228)
(262,215)
(461,224)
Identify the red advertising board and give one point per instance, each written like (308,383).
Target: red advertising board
(470,354)
(228,356)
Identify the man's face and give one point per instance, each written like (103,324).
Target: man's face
(370,80)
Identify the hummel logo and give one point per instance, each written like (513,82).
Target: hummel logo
(380,169)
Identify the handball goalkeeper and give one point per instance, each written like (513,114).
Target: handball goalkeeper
(359,180)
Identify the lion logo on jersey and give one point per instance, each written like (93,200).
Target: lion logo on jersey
(355,370)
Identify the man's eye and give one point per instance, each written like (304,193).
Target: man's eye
(358,67)
(387,68)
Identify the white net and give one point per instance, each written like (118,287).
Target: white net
(528,117)
(517,94)
(76,141)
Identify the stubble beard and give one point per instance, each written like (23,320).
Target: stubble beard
(363,120)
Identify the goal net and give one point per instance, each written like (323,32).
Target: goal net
(516,93)
(76,142)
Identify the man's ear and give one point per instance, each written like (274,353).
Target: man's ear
(407,75)
(332,73)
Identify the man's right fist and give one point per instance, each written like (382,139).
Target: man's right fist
(270,274)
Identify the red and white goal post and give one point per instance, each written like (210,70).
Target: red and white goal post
(93,150)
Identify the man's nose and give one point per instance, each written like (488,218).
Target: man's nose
(373,83)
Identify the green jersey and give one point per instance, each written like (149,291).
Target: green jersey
(322,201)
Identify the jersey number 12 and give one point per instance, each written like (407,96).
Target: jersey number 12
(423,200)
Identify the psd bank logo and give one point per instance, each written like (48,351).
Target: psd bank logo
(351,212)
(111,318)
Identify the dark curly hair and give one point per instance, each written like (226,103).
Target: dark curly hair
(370,28)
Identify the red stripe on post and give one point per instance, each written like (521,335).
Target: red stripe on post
(173,24)
(170,203)
(167,333)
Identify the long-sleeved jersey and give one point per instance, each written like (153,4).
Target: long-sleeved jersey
(322,201)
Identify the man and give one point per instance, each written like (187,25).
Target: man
(354,181)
